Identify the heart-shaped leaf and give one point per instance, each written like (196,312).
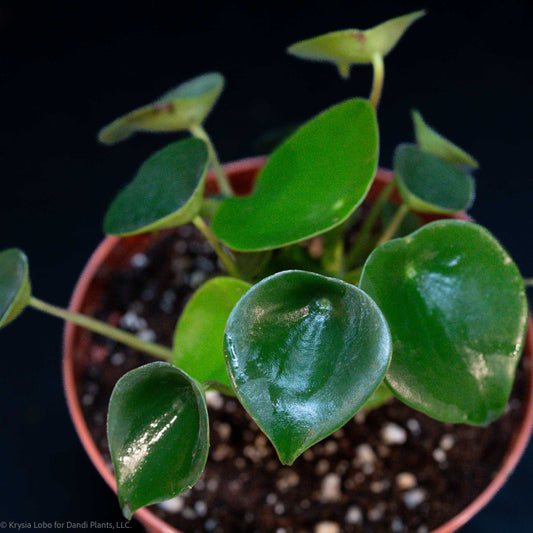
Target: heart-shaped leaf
(456,306)
(166,192)
(347,47)
(433,142)
(429,184)
(187,105)
(158,435)
(310,184)
(15,289)
(198,347)
(304,353)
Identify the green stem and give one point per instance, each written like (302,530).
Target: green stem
(379,76)
(222,180)
(332,259)
(227,261)
(361,241)
(220,387)
(394,224)
(102,328)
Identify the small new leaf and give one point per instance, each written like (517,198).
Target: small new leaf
(433,142)
(456,306)
(158,435)
(304,353)
(198,346)
(348,47)
(187,105)
(429,184)
(166,192)
(15,288)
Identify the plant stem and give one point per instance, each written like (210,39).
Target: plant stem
(227,261)
(394,224)
(222,180)
(379,76)
(220,387)
(97,326)
(332,259)
(360,243)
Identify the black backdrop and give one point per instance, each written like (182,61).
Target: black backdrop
(67,68)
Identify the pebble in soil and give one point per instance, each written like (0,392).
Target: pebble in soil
(390,470)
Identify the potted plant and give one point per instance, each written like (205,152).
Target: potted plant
(398,320)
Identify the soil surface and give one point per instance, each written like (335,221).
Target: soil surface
(390,470)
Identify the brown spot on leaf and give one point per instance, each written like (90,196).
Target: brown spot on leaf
(359,36)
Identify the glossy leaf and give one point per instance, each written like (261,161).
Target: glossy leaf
(429,184)
(198,346)
(15,289)
(456,306)
(187,105)
(158,435)
(304,353)
(433,142)
(166,192)
(347,47)
(310,184)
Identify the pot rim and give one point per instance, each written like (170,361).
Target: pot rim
(153,522)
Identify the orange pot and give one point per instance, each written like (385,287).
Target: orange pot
(114,253)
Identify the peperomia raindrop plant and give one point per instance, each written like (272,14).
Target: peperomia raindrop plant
(434,315)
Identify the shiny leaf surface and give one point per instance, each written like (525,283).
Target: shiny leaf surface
(158,435)
(198,346)
(347,47)
(187,105)
(310,184)
(15,289)
(456,306)
(166,192)
(433,142)
(429,184)
(304,353)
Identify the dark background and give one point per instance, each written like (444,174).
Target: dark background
(68,68)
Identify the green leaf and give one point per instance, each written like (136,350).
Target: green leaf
(198,346)
(166,192)
(310,184)
(304,353)
(347,47)
(158,435)
(433,142)
(187,105)
(15,288)
(429,184)
(456,306)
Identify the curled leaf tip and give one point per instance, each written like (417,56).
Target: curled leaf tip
(179,109)
(430,141)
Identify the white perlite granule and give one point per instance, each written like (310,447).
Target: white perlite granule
(393,434)
(327,527)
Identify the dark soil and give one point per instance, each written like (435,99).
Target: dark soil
(391,470)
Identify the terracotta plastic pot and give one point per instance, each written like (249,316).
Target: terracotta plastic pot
(114,253)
